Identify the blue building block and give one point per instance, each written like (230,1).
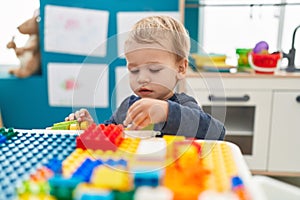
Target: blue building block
(2,139)
(55,165)
(85,171)
(102,196)
(112,162)
(149,178)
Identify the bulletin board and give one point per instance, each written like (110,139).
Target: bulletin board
(81,48)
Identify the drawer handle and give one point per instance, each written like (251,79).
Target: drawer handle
(244,98)
(298,99)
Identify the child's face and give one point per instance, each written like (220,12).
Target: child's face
(153,73)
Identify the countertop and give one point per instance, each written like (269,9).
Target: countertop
(250,74)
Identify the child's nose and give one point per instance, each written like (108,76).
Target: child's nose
(143,78)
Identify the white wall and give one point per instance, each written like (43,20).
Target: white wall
(12,14)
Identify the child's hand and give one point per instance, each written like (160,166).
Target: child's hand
(81,116)
(146,111)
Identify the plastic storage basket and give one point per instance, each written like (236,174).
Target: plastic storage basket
(264,63)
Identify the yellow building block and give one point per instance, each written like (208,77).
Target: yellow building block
(111,178)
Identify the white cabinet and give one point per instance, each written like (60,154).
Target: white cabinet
(245,114)
(260,113)
(285,132)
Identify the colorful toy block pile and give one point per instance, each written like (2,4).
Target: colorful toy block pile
(101,163)
(22,155)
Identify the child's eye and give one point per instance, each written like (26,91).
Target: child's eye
(154,70)
(134,71)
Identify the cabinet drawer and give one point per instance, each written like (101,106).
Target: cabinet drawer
(232,97)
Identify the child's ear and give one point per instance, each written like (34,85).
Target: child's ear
(182,66)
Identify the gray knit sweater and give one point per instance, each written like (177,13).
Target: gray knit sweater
(185,118)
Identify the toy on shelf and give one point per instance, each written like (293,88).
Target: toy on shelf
(211,62)
(242,62)
(29,54)
(261,47)
(262,61)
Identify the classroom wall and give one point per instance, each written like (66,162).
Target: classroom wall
(24,102)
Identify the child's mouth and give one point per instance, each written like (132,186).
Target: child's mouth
(144,91)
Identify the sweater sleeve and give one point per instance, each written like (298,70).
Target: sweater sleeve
(120,114)
(191,121)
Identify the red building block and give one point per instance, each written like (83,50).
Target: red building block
(101,137)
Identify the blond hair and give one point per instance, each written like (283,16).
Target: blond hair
(164,31)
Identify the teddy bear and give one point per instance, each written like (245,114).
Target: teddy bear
(28,55)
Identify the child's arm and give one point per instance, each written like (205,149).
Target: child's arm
(179,117)
(188,119)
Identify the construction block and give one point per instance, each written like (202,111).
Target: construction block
(150,155)
(55,165)
(62,188)
(65,125)
(150,193)
(84,125)
(7,133)
(239,189)
(186,153)
(152,149)
(124,195)
(74,161)
(75,126)
(101,137)
(33,187)
(2,139)
(120,162)
(42,174)
(111,178)
(91,192)
(186,170)
(29,196)
(150,178)
(129,146)
(85,171)
(170,140)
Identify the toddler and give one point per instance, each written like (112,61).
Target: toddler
(157,52)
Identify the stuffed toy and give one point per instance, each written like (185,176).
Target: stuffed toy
(29,55)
